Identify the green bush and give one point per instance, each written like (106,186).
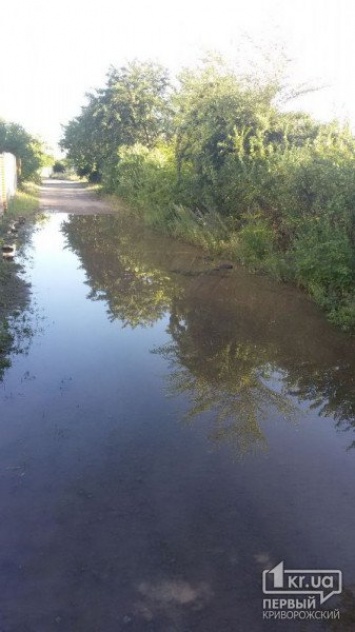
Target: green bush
(323,256)
(324,263)
(256,240)
(59,167)
(146,179)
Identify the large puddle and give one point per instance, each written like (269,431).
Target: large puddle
(173,431)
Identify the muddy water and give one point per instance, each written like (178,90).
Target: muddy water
(173,431)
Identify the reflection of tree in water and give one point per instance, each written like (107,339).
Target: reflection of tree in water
(226,359)
(331,390)
(137,292)
(243,379)
(231,380)
(15,320)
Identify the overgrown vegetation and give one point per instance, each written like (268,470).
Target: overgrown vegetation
(212,158)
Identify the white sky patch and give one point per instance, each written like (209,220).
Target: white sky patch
(52,53)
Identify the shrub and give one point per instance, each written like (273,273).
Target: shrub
(59,167)
(256,240)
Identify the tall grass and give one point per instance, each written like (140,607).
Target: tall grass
(26,201)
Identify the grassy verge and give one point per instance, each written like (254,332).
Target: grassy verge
(25,202)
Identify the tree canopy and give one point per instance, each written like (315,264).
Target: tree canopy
(133,107)
(29,151)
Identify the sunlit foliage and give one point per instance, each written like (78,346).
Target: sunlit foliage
(214,160)
(29,151)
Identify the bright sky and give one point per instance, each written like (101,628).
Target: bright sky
(53,52)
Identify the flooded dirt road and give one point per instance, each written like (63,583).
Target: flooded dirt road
(63,196)
(172,432)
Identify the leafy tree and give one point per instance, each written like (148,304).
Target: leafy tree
(84,139)
(29,151)
(132,108)
(213,108)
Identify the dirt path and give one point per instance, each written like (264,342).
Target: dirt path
(64,196)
